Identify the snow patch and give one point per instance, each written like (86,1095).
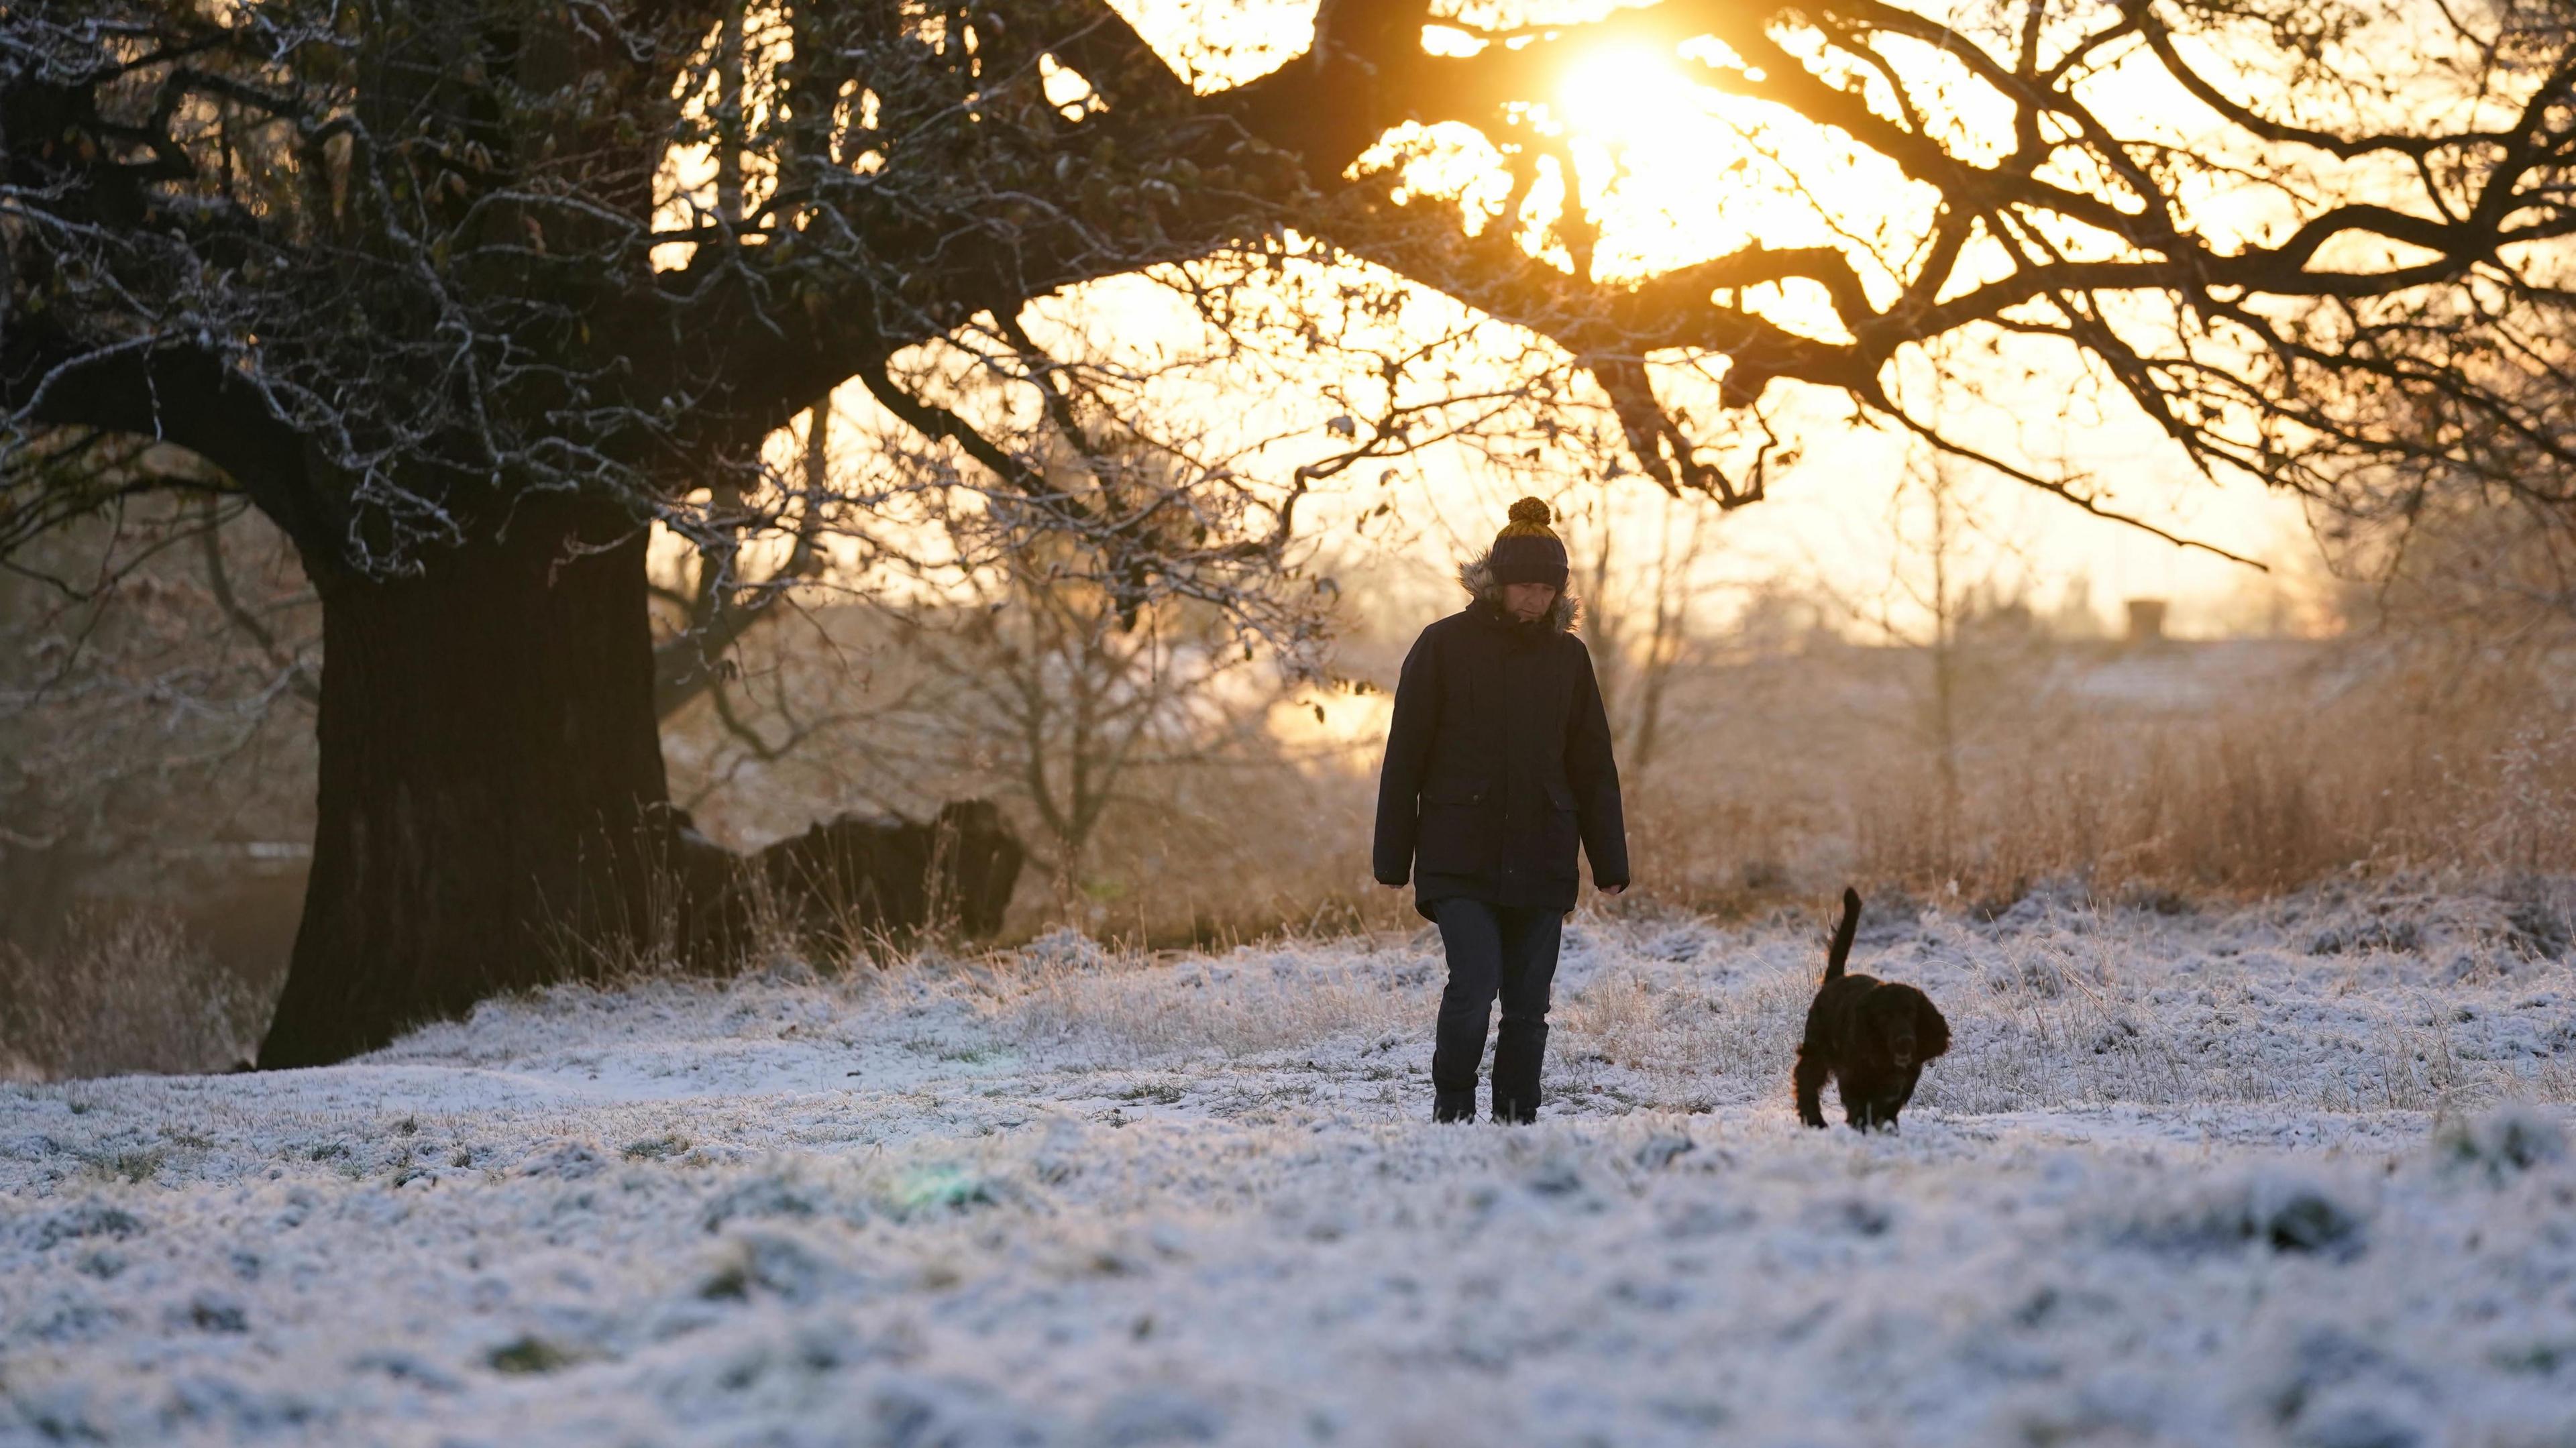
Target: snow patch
(2181,1179)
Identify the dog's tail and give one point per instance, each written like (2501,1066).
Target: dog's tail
(1843,934)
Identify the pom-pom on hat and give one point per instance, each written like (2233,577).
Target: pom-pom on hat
(1527,551)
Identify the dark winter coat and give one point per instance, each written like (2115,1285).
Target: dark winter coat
(1498,762)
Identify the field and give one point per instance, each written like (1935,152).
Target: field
(2291,1173)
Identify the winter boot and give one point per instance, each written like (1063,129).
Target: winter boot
(1519,1052)
(1453,1106)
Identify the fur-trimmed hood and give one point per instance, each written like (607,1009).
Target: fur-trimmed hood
(1476,575)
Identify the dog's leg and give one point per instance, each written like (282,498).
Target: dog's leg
(1864,1096)
(1809,1078)
(1904,1091)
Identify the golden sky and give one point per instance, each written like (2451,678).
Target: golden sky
(1673,173)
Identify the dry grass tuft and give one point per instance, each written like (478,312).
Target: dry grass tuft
(1126,1009)
(125,992)
(2224,771)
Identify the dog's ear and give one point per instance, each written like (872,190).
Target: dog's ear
(1843,933)
(1931,1033)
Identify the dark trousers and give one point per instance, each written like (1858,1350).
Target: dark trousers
(1495,949)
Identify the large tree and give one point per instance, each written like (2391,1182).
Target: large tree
(465,294)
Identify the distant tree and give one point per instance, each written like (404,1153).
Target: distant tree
(2472,543)
(1039,685)
(1949,606)
(1942,599)
(157,722)
(1638,614)
(1022,671)
(462,294)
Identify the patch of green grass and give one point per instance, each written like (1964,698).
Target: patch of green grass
(528,1354)
(938,1049)
(2539,1358)
(125,1166)
(728,1283)
(939,1187)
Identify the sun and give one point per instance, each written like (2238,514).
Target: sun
(1629,97)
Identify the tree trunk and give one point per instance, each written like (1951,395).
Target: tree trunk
(491,782)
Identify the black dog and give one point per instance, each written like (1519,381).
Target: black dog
(1871,1036)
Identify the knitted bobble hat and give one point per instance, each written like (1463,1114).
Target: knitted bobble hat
(1527,551)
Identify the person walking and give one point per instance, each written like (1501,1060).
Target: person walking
(1498,763)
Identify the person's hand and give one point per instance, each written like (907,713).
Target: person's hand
(1613,889)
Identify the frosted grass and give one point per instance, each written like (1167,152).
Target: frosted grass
(2296,1173)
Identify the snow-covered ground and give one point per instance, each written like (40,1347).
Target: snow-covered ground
(2292,1174)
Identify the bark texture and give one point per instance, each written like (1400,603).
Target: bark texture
(491,778)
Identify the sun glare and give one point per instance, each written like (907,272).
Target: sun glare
(1628,96)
